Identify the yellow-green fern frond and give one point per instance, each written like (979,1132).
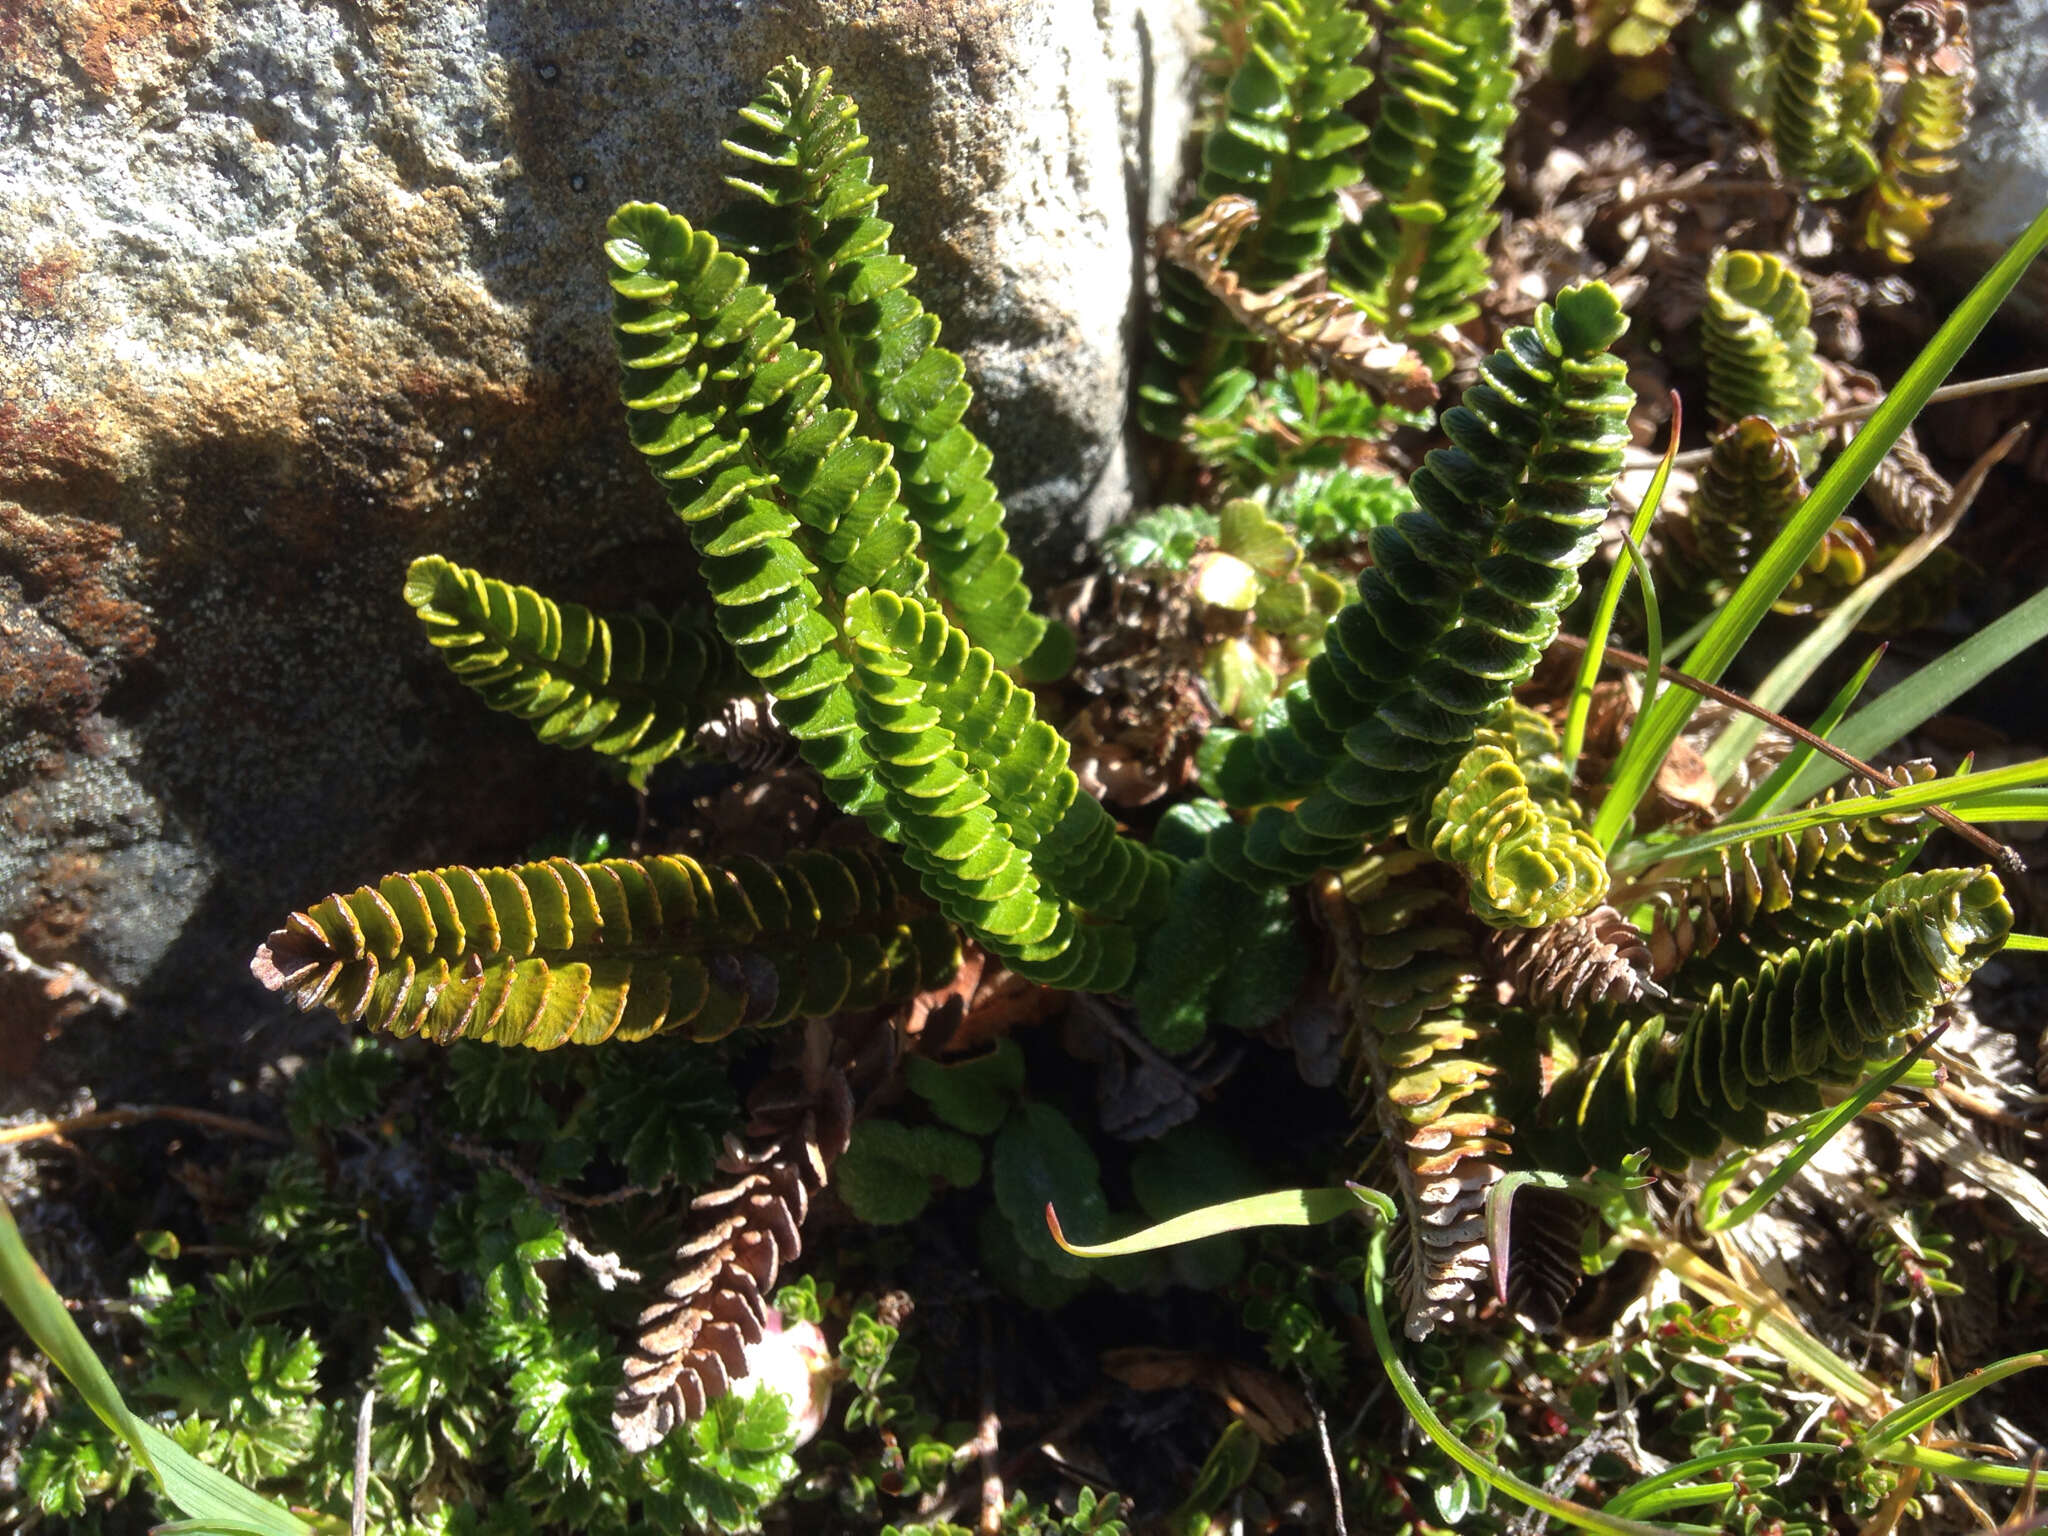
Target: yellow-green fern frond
(1825,95)
(1526,857)
(557,953)
(1748,490)
(1932,119)
(1758,337)
(630,687)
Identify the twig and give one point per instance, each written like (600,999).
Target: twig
(134,1114)
(1329,1456)
(1962,391)
(62,979)
(359,1501)
(1712,187)
(1984,842)
(607,1269)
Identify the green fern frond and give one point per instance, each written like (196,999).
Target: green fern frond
(630,687)
(770,479)
(991,816)
(1749,489)
(555,953)
(1285,142)
(1757,332)
(1422,1032)
(1825,95)
(1462,597)
(1820,1011)
(1417,259)
(1932,119)
(1524,854)
(1644,26)
(811,231)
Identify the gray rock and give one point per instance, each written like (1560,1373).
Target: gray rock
(292,291)
(2002,180)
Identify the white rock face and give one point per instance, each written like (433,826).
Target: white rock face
(2002,181)
(291,291)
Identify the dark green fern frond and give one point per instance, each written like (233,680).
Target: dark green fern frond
(1931,121)
(1758,337)
(991,816)
(1748,490)
(1821,1011)
(1417,259)
(1422,1032)
(1284,142)
(811,230)
(555,953)
(1526,857)
(631,687)
(1825,95)
(771,480)
(1462,597)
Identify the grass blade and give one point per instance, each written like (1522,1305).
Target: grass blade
(1636,767)
(1923,1411)
(1768,795)
(1640,1498)
(1281,1208)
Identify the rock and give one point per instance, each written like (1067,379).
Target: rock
(2002,180)
(292,292)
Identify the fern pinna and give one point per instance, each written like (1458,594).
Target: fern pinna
(809,228)
(1825,95)
(1931,118)
(1462,597)
(555,953)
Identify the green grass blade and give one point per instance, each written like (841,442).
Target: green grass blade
(1923,1411)
(1768,795)
(215,1504)
(1927,692)
(1644,1498)
(1636,768)
(1963,1468)
(1610,600)
(2037,943)
(1281,1208)
(2012,805)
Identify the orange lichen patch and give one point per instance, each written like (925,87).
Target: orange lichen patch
(42,284)
(70,565)
(44,681)
(95,34)
(53,444)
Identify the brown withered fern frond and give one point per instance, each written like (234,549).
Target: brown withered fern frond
(1907,490)
(691,1347)
(1544,1271)
(1596,957)
(1304,321)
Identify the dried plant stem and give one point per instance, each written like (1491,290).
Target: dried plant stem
(136,1114)
(1993,849)
(61,980)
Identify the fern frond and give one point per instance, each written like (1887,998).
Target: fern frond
(1303,325)
(1526,858)
(633,688)
(1757,331)
(555,953)
(991,816)
(1422,1027)
(770,479)
(1932,119)
(1777,892)
(1284,142)
(1819,1012)
(1417,258)
(1748,490)
(810,227)
(1825,95)
(1462,597)
(1644,26)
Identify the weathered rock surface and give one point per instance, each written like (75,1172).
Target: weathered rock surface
(2002,181)
(290,292)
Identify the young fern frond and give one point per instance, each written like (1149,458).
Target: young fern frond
(1525,854)
(1757,331)
(990,814)
(1422,1032)
(1932,118)
(1825,1009)
(556,953)
(1749,488)
(1417,259)
(1462,597)
(631,687)
(810,229)
(1284,142)
(1825,95)
(774,486)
